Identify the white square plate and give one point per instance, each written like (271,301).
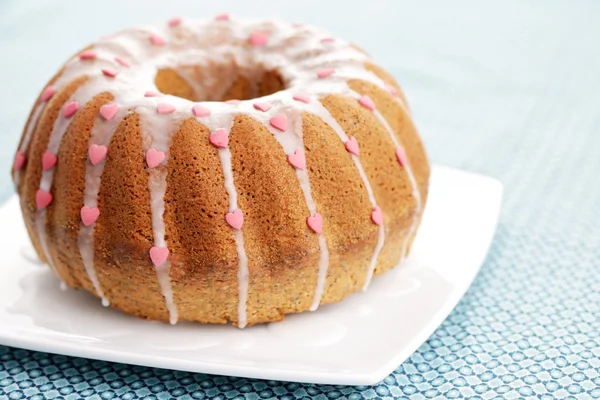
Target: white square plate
(356,342)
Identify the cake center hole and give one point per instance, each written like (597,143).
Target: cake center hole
(218,83)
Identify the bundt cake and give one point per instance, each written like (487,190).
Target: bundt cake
(221,171)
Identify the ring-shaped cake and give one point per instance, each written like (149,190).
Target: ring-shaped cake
(221,171)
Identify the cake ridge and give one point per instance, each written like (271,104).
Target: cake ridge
(324,114)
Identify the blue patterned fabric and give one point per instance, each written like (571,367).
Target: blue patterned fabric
(506,88)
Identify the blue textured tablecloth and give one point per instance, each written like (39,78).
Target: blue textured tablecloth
(507,88)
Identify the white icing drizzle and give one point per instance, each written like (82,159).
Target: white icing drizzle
(243,274)
(37,113)
(40,224)
(101,135)
(32,124)
(297,53)
(58,130)
(157,132)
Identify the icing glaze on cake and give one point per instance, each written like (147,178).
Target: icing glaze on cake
(311,64)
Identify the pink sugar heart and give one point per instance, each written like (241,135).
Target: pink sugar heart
(325,72)
(222,17)
(279,122)
(233,102)
(157,40)
(174,22)
(219,138)
(111,73)
(366,102)
(150,93)
(154,158)
(327,40)
(123,62)
(89,215)
(165,108)
(303,97)
(391,89)
(298,159)
(70,109)
(159,255)
(200,111)
(42,199)
(48,160)
(97,153)
(352,145)
(377,216)
(48,93)
(315,223)
(264,107)
(87,55)
(235,219)
(109,111)
(401,156)
(19,161)
(259,38)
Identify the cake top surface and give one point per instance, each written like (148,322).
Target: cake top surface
(309,60)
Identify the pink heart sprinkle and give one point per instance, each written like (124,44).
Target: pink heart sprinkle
(109,111)
(48,160)
(150,93)
(303,97)
(233,102)
(315,223)
(259,38)
(157,40)
(88,55)
(109,72)
(48,93)
(377,216)
(89,215)
(219,138)
(327,40)
(401,156)
(264,107)
(42,199)
(70,109)
(298,159)
(97,153)
(391,89)
(200,111)
(154,158)
(165,108)
(159,255)
(352,145)
(235,219)
(280,122)
(19,160)
(174,22)
(123,62)
(325,72)
(366,102)
(222,17)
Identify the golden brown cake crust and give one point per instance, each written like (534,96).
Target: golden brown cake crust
(283,252)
